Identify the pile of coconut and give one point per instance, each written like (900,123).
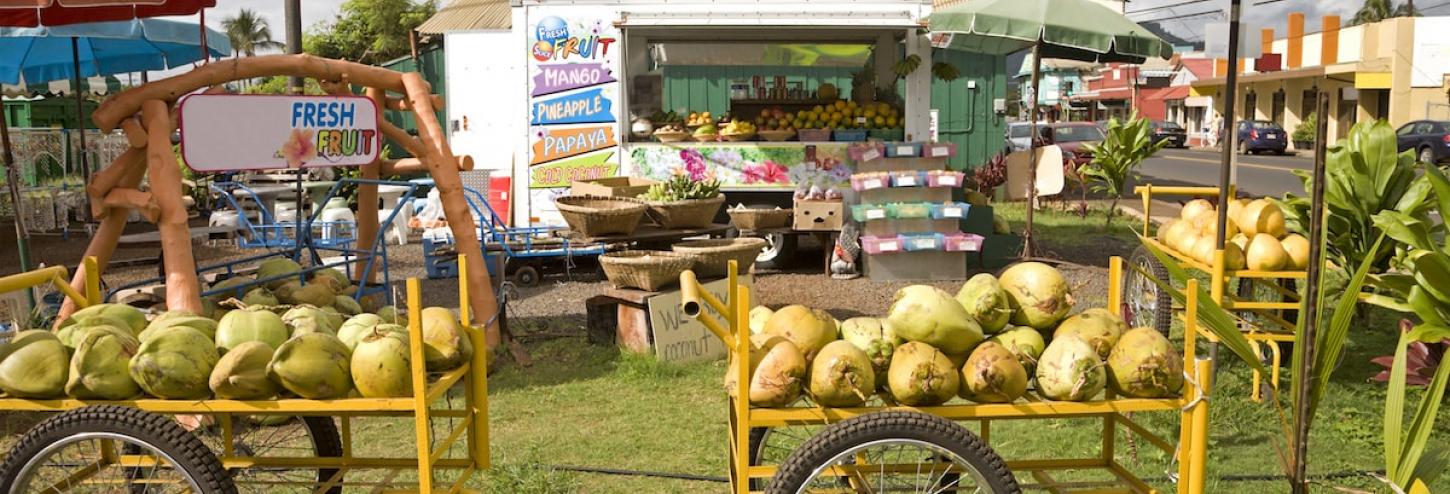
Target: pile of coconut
(991,343)
(1258,239)
(286,340)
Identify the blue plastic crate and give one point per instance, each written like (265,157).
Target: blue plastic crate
(950,211)
(903,149)
(856,135)
(922,241)
(908,179)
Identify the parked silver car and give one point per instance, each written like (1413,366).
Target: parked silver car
(1018,135)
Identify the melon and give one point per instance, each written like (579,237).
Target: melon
(1262,216)
(1266,253)
(1195,208)
(1297,247)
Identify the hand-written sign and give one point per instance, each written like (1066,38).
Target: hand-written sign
(681,338)
(582,107)
(223,132)
(563,77)
(564,172)
(560,143)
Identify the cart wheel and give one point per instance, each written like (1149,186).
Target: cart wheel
(1145,304)
(289,437)
(772,445)
(66,447)
(526,276)
(915,443)
(779,248)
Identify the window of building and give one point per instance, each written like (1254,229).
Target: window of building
(1276,109)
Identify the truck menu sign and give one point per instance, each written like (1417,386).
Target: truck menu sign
(225,132)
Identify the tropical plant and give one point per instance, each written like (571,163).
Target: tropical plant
(1422,362)
(249,33)
(1364,175)
(1116,159)
(1377,10)
(1411,463)
(990,175)
(1307,128)
(369,31)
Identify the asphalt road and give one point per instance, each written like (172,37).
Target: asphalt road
(1258,175)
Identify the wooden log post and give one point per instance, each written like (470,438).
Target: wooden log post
(367,199)
(110,177)
(409,143)
(414,165)
(439,158)
(183,292)
(122,198)
(135,135)
(103,243)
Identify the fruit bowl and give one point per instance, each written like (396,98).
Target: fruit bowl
(705,137)
(738,136)
(671,136)
(777,135)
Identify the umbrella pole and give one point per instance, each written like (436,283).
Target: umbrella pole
(22,236)
(1028,247)
(75,53)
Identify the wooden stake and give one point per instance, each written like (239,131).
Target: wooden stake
(410,144)
(439,159)
(367,199)
(135,135)
(121,198)
(183,292)
(113,175)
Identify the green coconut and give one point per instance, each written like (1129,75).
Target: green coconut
(841,376)
(261,297)
(210,309)
(334,317)
(175,364)
(346,305)
(778,371)
(308,319)
(332,277)
(992,374)
(1145,365)
(921,375)
(241,374)
(1038,293)
(445,344)
(71,334)
(875,336)
(349,291)
(278,267)
(175,318)
(314,366)
(285,292)
(100,367)
(810,329)
(1024,342)
(231,285)
(356,327)
(314,293)
(391,314)
(986,301)
(929,315)
(250,324)
(34,364)
(132,319)
(381,365)
(758,316)
(1070,370)
(1098,327)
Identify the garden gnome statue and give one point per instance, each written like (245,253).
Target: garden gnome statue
(845,253)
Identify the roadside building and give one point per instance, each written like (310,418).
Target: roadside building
(1117,89)
(1193,113)
(1060,80)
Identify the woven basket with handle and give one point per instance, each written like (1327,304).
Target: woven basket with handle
(593,216)
(689,213)
(759,219)
(644,269)
(712,257)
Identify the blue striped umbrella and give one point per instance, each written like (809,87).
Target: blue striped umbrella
(47,53)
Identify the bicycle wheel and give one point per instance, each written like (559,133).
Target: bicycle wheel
(280,437)
(112,449)
(772,445)
(894,451)
(1145,304)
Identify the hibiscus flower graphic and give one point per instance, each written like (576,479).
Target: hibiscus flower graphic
(767,173)
(298,149)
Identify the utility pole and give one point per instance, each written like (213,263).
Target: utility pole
(293,19)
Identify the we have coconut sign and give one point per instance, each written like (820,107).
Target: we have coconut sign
(229,132)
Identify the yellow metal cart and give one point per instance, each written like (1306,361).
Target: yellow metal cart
(133,446)
(897,448)
(1266,300)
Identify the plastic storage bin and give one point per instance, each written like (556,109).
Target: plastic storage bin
(865,151)
(882,245)
(903,149)
(910,210)
(887,135)
(813,135)
(869,212)
(922,241)
(962,242)
(938,150)
(908,179)
(940,178)
(949,211)
(853,135)
(868,181)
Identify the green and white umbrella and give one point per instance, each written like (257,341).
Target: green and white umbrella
(1067,29)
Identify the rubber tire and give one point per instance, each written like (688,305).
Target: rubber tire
(190,454)
(1163,310)
(757,440)
(526,276)
(1426,156)
(919,426)
(1244,148)
(784,253)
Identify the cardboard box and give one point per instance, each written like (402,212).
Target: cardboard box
(612,187)
(819,215)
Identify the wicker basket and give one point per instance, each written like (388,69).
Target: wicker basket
(759,219)
(671,136)
(712,257)
(740,137)
(776,135)
(597,216)
(644,269)
(689,213)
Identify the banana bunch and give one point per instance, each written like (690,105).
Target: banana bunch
(907,65)
(945,71)
(681,188)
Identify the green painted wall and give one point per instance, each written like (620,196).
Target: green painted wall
(707,88)
(430,58)
(965,116)
(57,111)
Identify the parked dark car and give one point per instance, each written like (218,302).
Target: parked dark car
(1175,134)
(1429,139)
(1262,135)
(1071,136)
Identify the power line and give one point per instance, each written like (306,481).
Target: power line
(1436,6)
(1169,6)
(1182,16)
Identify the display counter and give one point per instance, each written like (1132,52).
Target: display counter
(743,165)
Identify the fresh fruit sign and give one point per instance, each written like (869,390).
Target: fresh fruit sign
(225,132)
(554,144)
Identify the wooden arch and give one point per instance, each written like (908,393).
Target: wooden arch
(146,114)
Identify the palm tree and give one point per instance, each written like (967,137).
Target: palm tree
(1377,10)
(249,33)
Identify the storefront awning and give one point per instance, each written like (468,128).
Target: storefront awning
(1198,101)
(1210,86)
(1371,80)
(836,19)
(1104,95)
